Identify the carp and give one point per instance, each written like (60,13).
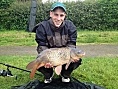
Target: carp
(57,57)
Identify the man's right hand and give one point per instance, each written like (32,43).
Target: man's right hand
(48,65)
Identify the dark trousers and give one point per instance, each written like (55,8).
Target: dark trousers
(48,72)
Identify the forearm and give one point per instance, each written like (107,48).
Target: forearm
(71,45)
(72,36)
(41,39)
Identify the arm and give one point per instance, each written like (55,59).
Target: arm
(41,38)
(72,35)
(42,42)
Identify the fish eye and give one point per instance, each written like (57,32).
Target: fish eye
(79,51)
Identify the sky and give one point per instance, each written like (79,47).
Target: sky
(60,0)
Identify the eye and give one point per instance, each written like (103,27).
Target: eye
(79,51)
(56,14)
(61,15)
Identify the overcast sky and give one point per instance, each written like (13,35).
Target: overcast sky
(60,0)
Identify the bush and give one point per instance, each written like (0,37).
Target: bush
(15,17)
(94,15)
(97,15)
(5,3)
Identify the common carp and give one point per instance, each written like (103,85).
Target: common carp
(57,57)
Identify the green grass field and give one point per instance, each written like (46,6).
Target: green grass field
(22,38)
(99,70)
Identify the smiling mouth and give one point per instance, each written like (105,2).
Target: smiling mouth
(58,23)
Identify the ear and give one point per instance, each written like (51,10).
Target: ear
(51,13)
(65,14)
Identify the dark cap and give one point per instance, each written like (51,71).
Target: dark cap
(58,4)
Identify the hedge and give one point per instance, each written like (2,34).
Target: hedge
(97,15)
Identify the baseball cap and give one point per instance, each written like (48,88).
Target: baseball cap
(58,4)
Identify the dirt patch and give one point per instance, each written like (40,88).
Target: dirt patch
(91,50)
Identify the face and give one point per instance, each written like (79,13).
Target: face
(57,16)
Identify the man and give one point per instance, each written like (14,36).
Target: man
(55,33)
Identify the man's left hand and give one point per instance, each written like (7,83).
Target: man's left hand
(74,60)
(48,65)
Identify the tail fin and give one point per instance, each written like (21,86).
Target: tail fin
(33,71)
(30,65)
(36,66)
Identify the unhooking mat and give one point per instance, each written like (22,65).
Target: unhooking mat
(57,84)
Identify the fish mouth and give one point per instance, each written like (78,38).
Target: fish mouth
(83,54)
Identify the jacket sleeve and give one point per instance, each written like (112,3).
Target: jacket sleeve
(72,35)
(41,38)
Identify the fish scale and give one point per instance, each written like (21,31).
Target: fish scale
(57,57)
(59,54)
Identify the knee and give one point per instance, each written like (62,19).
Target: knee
(75,64)
(80,61)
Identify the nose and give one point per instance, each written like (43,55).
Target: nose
(58,17)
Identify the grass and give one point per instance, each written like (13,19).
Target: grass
(99,70)
(17,38)
(97,37)
(22,38)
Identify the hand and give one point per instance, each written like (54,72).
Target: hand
(48,65)
(74,60)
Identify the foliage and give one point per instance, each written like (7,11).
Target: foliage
(15,17)
(42,11)
(4,4)
(92,15)
(95,15)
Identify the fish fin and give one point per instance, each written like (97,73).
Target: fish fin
(42,64)
(67,65)
(33,71)
(30,65)
(58,69)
